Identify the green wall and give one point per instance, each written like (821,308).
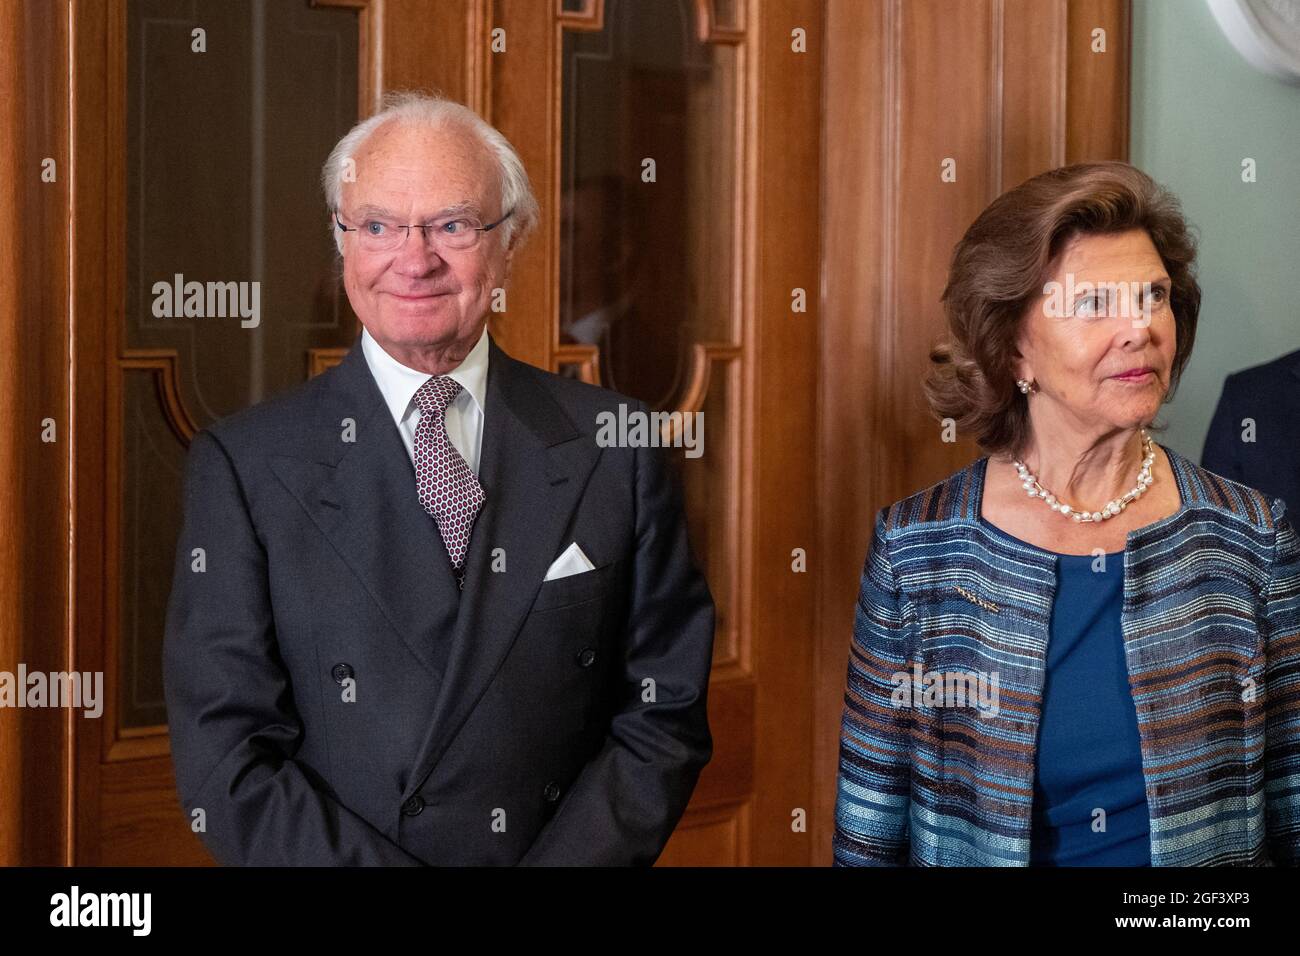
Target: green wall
(1198,109)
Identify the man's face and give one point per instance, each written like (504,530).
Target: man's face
(421,301)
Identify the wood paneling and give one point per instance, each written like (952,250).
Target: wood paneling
(418,45)
(1097,84)
(780,472)
(35,331)
(1005,89)
(99,156)
(524,106)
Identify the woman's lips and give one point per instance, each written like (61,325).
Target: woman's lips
(1134,376)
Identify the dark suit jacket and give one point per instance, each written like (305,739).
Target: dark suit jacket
(1270,394)
(521,722)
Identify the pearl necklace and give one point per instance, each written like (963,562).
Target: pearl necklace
(1114,507)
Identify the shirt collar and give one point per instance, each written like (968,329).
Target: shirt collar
(398,383)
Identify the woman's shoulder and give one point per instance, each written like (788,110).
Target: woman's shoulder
(957,497)
(954,498)
(1201,487)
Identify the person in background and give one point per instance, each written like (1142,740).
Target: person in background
(1254,436)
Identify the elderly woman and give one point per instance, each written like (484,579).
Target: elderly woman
(1082,648)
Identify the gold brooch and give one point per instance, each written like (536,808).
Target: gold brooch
(976,599)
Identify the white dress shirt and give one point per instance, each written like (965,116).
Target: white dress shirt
(398,383)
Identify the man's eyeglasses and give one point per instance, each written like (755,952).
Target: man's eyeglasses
(451,232)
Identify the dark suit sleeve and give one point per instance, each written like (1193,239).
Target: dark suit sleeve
(624,804)
(230,709)
(1223,440)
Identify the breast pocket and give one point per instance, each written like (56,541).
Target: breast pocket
(574,589)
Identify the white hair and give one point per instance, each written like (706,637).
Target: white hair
(437,112)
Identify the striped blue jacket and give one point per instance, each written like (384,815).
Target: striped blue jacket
(1211,625)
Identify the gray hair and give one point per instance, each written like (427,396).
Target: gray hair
(421,109)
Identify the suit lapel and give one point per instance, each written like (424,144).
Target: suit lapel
(535,465)
(362,496)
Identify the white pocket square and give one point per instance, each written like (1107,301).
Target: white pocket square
(572,561)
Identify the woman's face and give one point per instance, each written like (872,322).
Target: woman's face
(1100,340)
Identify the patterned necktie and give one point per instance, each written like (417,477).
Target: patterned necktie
(448,490)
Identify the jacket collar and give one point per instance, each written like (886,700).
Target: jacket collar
(958,498)
(350,472)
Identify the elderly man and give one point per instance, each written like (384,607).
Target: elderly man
(419,614)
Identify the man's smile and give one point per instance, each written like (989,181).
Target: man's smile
(417,296)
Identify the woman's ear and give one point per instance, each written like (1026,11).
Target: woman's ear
(1021,367)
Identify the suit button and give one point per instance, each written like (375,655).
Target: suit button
(414,806)
(586,657)
(552,792)
(342,672)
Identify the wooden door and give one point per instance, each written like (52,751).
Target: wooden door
(190,141)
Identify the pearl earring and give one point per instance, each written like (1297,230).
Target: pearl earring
(1025,387)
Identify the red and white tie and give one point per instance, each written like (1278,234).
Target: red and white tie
(448,490)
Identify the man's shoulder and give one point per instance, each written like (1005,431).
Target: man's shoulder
(583,402)
(1266,377)
(1207,489)
(277,422)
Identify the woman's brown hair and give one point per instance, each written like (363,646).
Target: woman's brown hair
(999,268)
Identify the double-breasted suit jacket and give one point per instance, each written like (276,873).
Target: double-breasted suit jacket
(333,698)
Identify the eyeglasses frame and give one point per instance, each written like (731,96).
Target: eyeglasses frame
(421,226)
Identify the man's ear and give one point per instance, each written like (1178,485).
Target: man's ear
(511,246)
(335,233)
